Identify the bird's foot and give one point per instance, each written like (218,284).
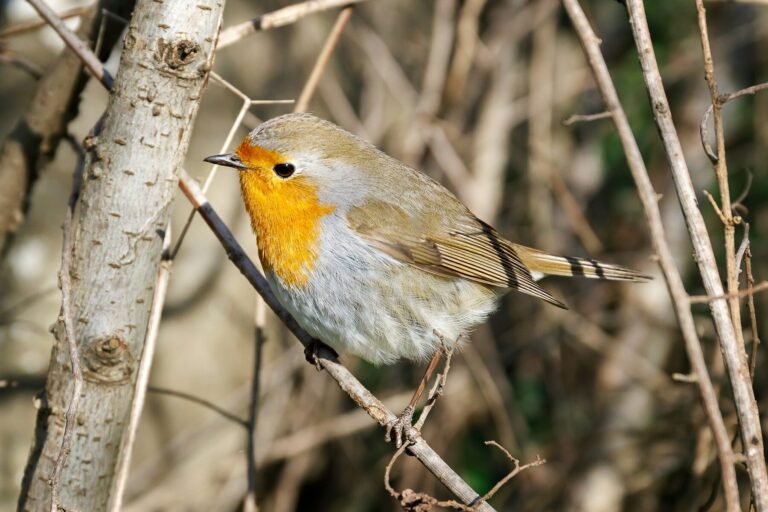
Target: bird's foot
(312,351)
(401,427)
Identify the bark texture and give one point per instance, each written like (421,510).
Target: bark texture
(129,181)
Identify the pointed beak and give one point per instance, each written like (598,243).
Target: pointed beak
(227,160)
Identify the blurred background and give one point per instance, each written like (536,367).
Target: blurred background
(476,94)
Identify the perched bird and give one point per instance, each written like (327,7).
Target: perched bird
(372,256)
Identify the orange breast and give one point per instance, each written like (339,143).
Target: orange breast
(285,216)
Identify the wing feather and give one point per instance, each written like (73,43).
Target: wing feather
(466,248)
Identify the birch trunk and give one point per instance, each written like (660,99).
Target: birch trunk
(129,182)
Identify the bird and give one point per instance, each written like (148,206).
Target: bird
(374,257)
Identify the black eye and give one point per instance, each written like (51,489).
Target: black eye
(284,170)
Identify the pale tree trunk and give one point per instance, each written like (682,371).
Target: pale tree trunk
(129,181)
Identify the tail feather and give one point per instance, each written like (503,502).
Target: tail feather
(548,264)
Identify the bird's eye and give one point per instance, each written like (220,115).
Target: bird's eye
(284,170)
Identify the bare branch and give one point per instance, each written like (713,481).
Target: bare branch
(516,469)
(748,292)
(279,18)
(26,26)
(322,60)
(729,330)
(260,320)
(199,401)
(75,43)
(649,200)
(722,100)
(11,59)
(585,118)
(111,343)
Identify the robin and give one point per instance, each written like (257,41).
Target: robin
(374,257)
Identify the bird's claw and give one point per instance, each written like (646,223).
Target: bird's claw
(401,426)
(312,351)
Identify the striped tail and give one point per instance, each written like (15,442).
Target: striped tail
(541,263)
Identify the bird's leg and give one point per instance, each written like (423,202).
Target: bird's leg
(312,350)
(401,425)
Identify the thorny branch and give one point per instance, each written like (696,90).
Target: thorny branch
(344,378)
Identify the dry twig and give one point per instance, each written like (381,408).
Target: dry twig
(648,197)
(278,18)
(585,118)
(260,320)
(413,501)
(77,45)
(26,26)
(722,312)
(322,60)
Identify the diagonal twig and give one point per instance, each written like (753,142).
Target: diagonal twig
(648,197)
(279,18)
(322,60)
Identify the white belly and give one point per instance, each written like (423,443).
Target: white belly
(363,302)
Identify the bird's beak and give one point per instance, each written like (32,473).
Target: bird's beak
(227,160)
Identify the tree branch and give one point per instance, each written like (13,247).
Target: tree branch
(649,199)
(733,352)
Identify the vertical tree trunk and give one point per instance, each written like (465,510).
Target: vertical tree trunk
(129,181)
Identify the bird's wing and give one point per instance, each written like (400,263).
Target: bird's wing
(453,243)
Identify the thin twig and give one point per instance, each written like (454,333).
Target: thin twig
(752,314)
(517,468)
(742,247)
(649,199)
(27,26)
(748,292)
(729,329)
(69,332)
(722,100)
(29,67)
(279,18)
(322,60)
(199,401)
(722,311)
(585,118)
(75,43)
(414,501)
(260,320)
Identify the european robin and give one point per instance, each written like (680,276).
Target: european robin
(372,256)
